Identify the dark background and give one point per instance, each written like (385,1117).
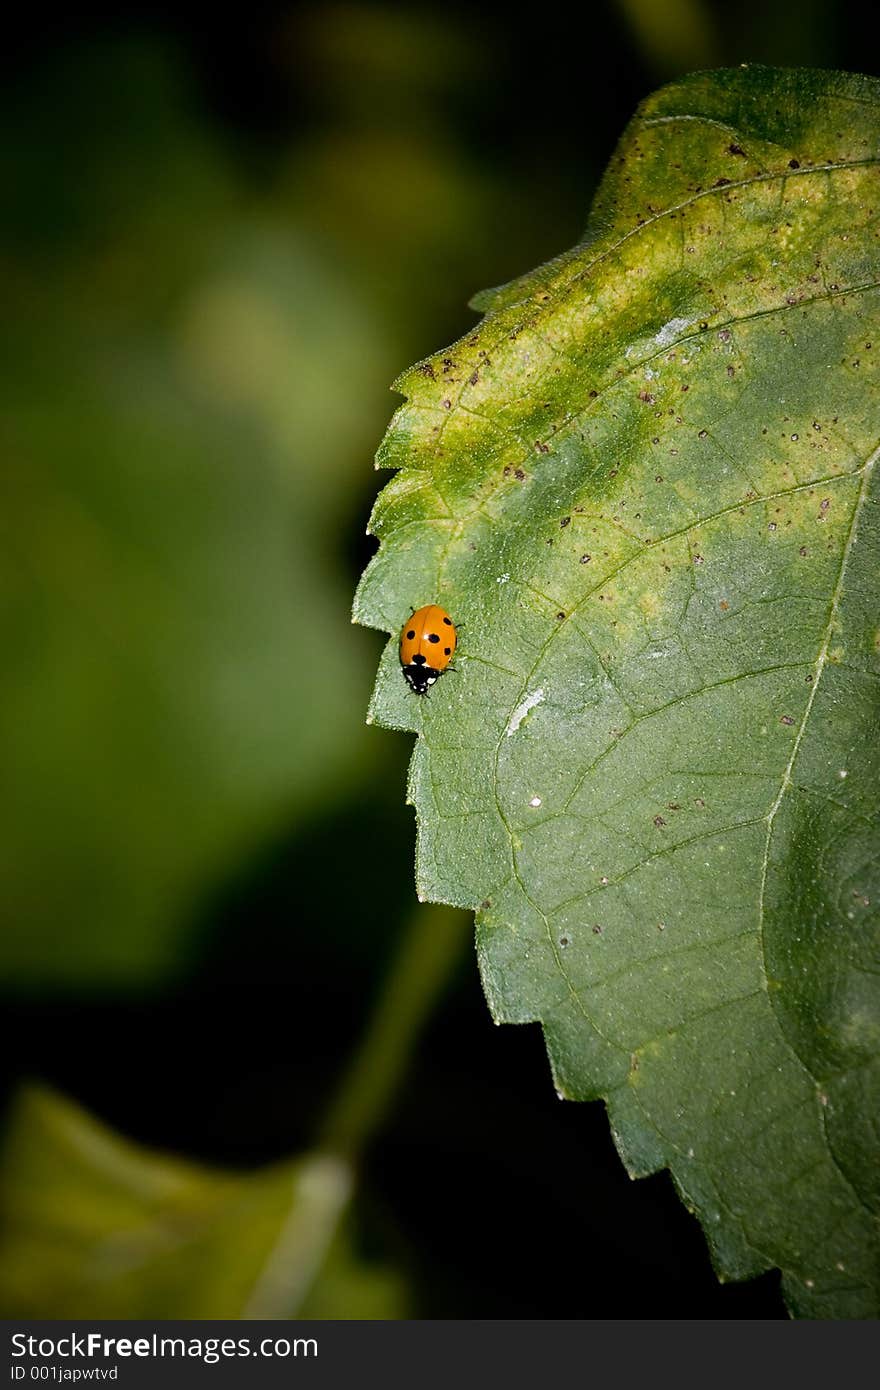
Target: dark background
(419,153)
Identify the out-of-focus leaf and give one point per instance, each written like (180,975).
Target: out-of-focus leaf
(671,35)
(646,485)
(178,672)
(92,1225)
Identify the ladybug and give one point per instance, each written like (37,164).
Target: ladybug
(426,646)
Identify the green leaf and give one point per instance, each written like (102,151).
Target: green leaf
(92,1225)
(645,484)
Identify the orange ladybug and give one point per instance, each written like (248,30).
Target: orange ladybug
(427,643)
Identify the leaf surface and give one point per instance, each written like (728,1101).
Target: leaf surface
(645,484)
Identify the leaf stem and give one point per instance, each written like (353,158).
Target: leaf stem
(431,945)
(325,1180)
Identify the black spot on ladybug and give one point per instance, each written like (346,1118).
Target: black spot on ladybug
(447,651)
(448,622)
(418,659)
(432,637)
(410,635)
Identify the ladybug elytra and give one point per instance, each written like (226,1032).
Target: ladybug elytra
(427,643)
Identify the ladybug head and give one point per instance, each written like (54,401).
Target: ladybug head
(420,677)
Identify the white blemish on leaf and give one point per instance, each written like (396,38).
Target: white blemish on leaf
(522,709)
(670,331)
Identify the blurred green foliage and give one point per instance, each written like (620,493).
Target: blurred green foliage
(179,671)
(96,1226)
(674,34)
